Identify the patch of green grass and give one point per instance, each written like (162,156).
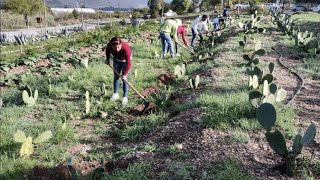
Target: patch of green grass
(286,120)
(13,167)
(223,111)
(310,66)
(142,125)
(133,172)
(177,170)
(228,169)
(239,136)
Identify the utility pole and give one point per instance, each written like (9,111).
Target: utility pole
(110,12)
(162,20)
(98,19)
(81,13)
(45,16)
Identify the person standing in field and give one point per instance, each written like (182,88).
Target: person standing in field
(181,31)
(122,57)
(167,29)
(199,26)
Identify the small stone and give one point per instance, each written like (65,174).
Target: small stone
(256,158)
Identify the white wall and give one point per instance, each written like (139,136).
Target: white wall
(69,10)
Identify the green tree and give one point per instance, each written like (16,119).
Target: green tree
(75,14)
(155,6)
(209,4)
(25,7)
(180,6)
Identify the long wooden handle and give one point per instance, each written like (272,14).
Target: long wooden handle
(127,83)
(185,47)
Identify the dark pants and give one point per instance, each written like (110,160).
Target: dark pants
(194,35)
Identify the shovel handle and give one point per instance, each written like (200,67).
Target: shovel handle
(185,47)
(127,83)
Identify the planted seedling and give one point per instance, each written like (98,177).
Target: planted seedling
(27,147)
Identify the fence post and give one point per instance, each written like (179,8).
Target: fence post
(20,49)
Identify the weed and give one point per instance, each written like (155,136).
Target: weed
(238,135)
(227,169)
(224,110)
(178,170)
(134,172)
(142,125)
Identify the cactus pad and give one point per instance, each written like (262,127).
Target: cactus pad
(266,115)
(277,142)
(43,137)
(309,135)
(20,136)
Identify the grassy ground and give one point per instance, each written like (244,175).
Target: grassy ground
(163,144)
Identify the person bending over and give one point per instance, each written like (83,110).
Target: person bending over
(122,57)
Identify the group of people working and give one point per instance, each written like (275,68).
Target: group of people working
(169,29)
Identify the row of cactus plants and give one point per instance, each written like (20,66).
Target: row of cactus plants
(304,40)
(264,92)
(251,26)
(263,89)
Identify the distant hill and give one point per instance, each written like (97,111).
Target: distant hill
(98,3)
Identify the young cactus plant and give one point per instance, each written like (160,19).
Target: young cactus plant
(136,73)
(266,115)
(29,98)
(27,147)
(85,62)
(88,104)
(194,82)
(180,71)
(103,90)
(49,87)
(244,42)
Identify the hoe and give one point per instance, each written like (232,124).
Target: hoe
(147,105)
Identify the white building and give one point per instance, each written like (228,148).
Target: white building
(70,10)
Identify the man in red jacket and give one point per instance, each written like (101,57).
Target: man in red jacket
(122,56)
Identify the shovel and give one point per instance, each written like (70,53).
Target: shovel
(188,49)
(146,104)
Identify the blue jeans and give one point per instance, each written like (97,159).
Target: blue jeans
(120,67)
(166,38)
(194,35)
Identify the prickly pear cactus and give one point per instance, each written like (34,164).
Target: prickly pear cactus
(136,73)
(179,71)
(255,82)
(309,135)
(266,90)
(194,82)
(281,95)
(43,137)
(271,67)
(26,148)
(103,90)
(88,104)
(277,142)
(28,98)
(266,115)
(255,98)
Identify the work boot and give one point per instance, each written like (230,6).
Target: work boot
(124,101)
(114,97)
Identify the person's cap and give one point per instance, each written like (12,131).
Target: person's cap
(179,22)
